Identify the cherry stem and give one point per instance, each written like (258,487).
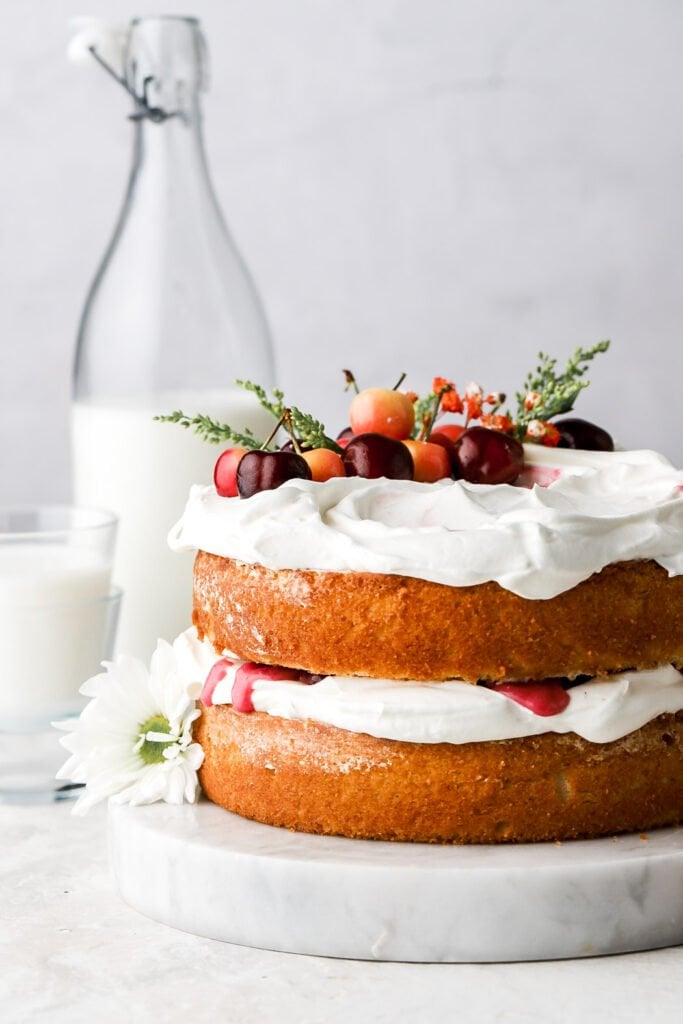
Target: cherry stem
(399,382)
(350,381)
(287,421)
(264,446)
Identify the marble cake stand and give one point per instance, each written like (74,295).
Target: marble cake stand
(206,871)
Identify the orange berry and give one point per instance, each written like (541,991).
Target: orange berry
(430,461)
(324,464)
(452,402)
(473,401)
(497,421)
(381,411)
(542,432)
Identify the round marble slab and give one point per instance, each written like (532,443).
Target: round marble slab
(204,870)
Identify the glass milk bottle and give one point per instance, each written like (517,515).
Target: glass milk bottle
(172,319)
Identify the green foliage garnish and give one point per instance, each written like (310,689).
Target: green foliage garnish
(211,430)
(556,392)
(424,407)
(545,393)
(309,431)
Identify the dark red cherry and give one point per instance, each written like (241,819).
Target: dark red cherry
(486,456)
(446,442)
(578,433)
(374,455)
(264,471)
(344,436)
(288,446)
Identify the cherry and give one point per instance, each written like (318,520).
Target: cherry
(381,411)
(344,435)
(486,456)
(216,673)
(225,472)
(264,471)
(578,433)
(545,697)
(431,462)
(374,455)
(324,464)
(444,441)
(452,431)
(288,446)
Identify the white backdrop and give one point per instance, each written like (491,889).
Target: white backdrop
(437,186)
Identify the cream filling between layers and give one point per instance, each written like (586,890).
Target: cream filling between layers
(600,711)
(538,541)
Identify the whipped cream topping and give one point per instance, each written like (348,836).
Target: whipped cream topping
(535,541)
(601,710)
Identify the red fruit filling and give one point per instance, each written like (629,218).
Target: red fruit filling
(544,476)
(545,698)
(250,673)
(218,672)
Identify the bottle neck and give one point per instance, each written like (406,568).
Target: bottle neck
(166,69)
(172,152)
(172,306)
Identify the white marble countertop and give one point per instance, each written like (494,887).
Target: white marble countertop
(72,951)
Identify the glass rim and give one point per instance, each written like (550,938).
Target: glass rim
(190,19)
(78,519)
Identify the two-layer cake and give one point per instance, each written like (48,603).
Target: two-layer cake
(446,662)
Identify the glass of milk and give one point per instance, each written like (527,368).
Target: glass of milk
(58,615)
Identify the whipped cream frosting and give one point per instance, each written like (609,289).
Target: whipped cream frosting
(600,711)
(536,541)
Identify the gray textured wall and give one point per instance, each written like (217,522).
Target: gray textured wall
(442,187)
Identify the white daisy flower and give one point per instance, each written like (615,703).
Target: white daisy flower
(133,741)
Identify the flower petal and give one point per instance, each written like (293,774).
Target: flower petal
(104,741)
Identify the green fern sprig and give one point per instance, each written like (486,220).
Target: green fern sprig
(556,392)
(211,430)
(309,430)
(424,407)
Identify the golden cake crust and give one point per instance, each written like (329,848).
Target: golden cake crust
(317,778)
(629,615)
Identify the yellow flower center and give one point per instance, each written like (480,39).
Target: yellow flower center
(152,751)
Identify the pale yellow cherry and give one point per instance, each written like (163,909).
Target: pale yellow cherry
(382,411)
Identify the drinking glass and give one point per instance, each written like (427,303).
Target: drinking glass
(58,615)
